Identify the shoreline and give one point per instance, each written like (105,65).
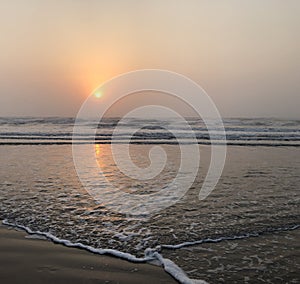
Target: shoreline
(28,260)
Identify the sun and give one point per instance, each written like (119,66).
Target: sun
(98,95)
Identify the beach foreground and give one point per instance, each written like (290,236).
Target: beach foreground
(25,260)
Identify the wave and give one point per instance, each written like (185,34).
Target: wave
(151,123)
(59,131)
(155,135)
(35,120)
(151,255)
(148,142)
(231,238)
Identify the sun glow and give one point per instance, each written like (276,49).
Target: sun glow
(98,95)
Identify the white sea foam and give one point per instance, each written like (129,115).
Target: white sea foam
(228,238)
(151,256)
(176,271)
(36,237)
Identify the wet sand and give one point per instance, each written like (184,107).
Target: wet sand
(25,260)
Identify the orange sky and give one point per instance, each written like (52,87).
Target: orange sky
(245,54)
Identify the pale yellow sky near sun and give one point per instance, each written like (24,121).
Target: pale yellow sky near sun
(245,54)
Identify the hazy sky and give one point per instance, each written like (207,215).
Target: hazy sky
(245,54)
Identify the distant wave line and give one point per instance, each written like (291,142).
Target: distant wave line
(145,142)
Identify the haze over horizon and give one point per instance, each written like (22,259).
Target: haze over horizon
(245,54)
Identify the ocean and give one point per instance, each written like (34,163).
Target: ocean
(245,231)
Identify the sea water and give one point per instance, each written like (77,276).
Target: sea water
(246,230)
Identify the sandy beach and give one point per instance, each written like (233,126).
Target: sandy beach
(26,260)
